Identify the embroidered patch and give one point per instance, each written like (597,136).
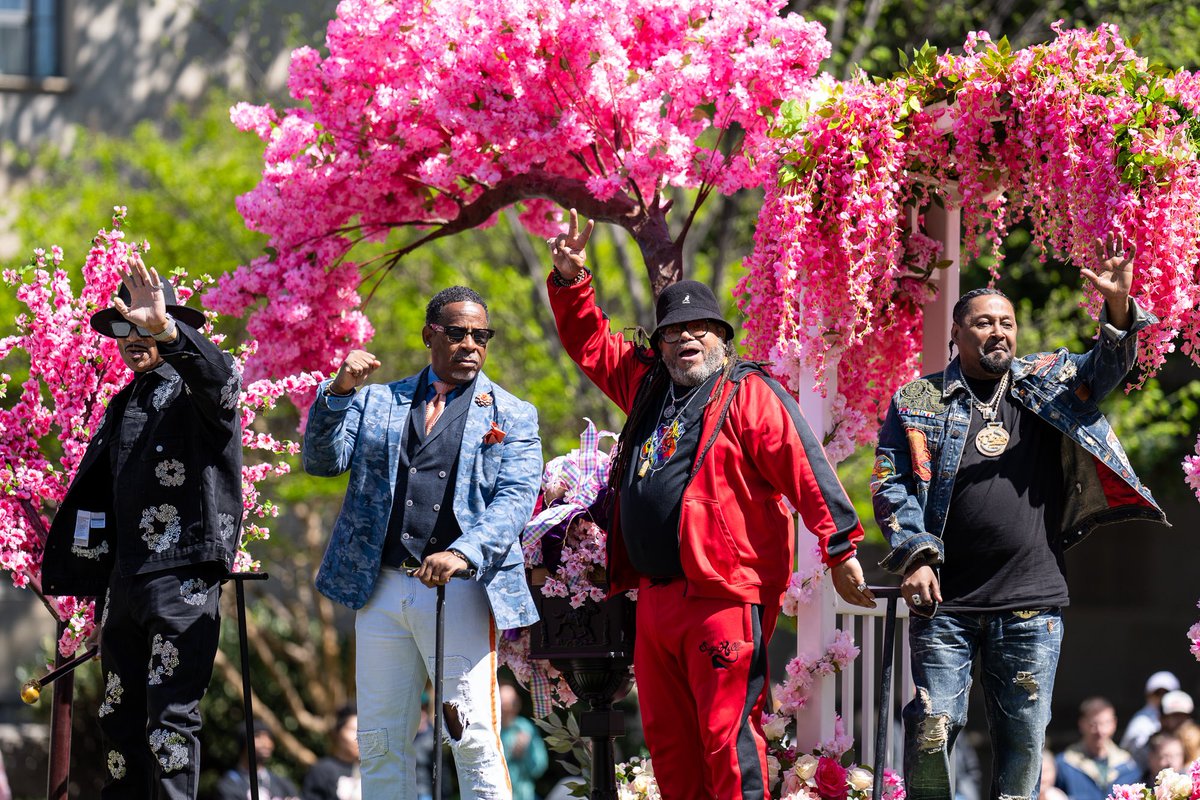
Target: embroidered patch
(116,765)
(104,614)
(112,694)
(884,469)
(723,654)
(922,395)
(1114,444)
(922,461)
(162,395)
(170,748)
(1067,372)
(1041,364)
(90,553)
(194,592)
(170,472)
(158,541)
(168,654)
(231,390)
(228,526)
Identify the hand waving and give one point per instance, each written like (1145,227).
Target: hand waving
(147,307)
(567,249)
(1113,279)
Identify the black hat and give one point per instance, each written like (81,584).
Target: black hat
(103,319)
(687,301)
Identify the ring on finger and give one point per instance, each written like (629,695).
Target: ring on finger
(916,599)
(862,587)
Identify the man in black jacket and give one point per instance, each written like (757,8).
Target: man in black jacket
(151,522)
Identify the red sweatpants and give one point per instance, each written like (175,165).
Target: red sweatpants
(701,668)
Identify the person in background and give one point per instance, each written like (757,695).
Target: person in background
(336,776)
(1047,789)
(1177,708)
(1146,720)
(524,749)
(1163,751)
(1189,734)
(235,784)
(1088,769)
(5,792)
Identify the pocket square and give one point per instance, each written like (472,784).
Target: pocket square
(494,434)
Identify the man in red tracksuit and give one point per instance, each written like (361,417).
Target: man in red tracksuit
(711,448)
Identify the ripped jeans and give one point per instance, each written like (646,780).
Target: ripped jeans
(395,633)
(1018,656)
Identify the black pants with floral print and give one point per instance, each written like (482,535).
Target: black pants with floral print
(159,635)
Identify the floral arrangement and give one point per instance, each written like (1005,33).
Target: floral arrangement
(1168,785)
(73,372)
(1079,135)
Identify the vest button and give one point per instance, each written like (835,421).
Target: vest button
(405,536)
(433,540)
(408,503)
(437,506)
(412,470)
(442,473)
(158,448)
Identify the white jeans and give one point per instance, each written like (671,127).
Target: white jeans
(395,655)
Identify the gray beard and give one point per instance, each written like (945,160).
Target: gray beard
(713,361)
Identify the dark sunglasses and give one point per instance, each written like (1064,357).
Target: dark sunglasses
(673,333)
(481,336)
(122,329)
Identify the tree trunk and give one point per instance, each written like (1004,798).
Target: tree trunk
(663,256)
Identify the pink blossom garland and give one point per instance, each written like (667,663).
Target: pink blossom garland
(73,373)
(1078,135)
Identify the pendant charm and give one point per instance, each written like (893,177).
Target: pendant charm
(992,440)
(669,411)
(644,468)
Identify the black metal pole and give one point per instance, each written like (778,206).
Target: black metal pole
(239,581)
(884,694)
(439,654)
(58,777)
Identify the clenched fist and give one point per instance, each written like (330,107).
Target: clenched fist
(353,372)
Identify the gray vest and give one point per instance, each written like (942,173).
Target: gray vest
(422,520)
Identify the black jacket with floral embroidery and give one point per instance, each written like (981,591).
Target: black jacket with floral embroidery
(160,485)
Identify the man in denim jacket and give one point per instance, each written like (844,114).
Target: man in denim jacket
(985,473)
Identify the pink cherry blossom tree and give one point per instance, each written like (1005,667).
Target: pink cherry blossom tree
(428,118)
(73,372)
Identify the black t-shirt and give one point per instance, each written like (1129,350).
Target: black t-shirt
(1005,517)
(652,488)
(332,779)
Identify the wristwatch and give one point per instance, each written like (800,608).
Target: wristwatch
(167,334)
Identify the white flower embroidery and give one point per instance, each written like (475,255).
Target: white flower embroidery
(162,395)
(232,389)
(194,592)
(167,514)
(228,526)
(116,765)
(1066,372)
(90,553)
(170,472)
(104,614)
(171,749)
(112,694)
(169,654)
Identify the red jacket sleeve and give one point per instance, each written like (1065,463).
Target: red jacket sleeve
(781,445)
(608,360)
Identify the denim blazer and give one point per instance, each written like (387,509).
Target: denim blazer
(925,432)
(493,495)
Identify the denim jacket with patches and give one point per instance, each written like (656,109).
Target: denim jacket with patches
(923,437)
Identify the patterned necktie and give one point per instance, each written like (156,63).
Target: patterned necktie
(435,407)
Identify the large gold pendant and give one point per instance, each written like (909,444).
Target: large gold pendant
(991,440)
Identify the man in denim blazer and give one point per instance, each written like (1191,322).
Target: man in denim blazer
(444,470)
(984,474)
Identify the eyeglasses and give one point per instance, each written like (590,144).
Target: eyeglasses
(122,329)
(673,333)
(455,333)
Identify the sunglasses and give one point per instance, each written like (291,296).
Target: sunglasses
(122,329)
(673,333)
(481,336)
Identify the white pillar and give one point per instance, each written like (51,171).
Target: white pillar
(816,620)
(946,227)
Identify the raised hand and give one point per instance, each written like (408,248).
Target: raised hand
(567,249)
(1113,279)
(147,307)
(357,365)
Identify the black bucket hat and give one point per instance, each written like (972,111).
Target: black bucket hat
(687,301)
(103,319)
